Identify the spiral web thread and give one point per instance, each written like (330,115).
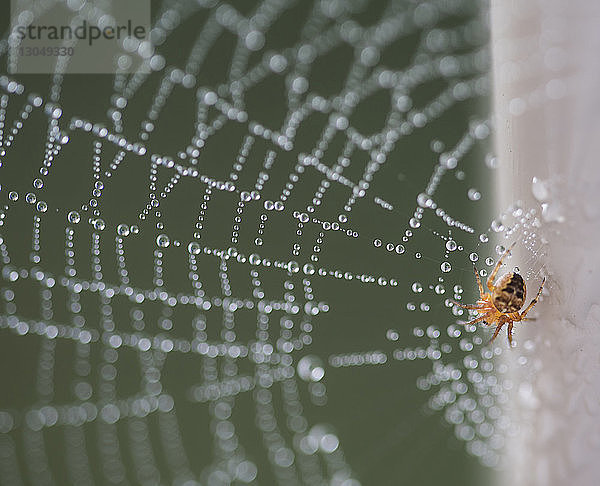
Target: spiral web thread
(226,297)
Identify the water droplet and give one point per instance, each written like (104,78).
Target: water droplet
(491,161)
(254,259)
(258,241)
(400,249)
(424,201)
(38,183)
(473,194)
(497,226)
(308,269)
(123,230)
(451,245)
(99,224)
(417,287)
(194,248)
(540,189)
(414,223)
(42,206)
(439,289)
(377,243)
(392,335)
(163,240)
(489,261)
(473,257)
(552,213)
(446,267)
(13,196)
(483,238)
(310,368)
(30,198)
(74,217)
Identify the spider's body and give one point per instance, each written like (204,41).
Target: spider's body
(509,293)
(502,303)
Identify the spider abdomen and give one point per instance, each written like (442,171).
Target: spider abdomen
(509,294)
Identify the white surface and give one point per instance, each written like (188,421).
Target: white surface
(547,100)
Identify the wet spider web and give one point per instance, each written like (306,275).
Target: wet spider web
(198,257)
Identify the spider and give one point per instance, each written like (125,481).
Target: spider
(501,304)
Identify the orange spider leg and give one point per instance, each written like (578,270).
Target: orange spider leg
(481,292)
(534,301)
(498,327)
(467,306)
(492,277)
(510,328)
(480,318)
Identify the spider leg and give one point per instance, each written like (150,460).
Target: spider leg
(481,293)
(479,319)
(510,328)
(467,306)
(498,327)
(490,280)
(534,301)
